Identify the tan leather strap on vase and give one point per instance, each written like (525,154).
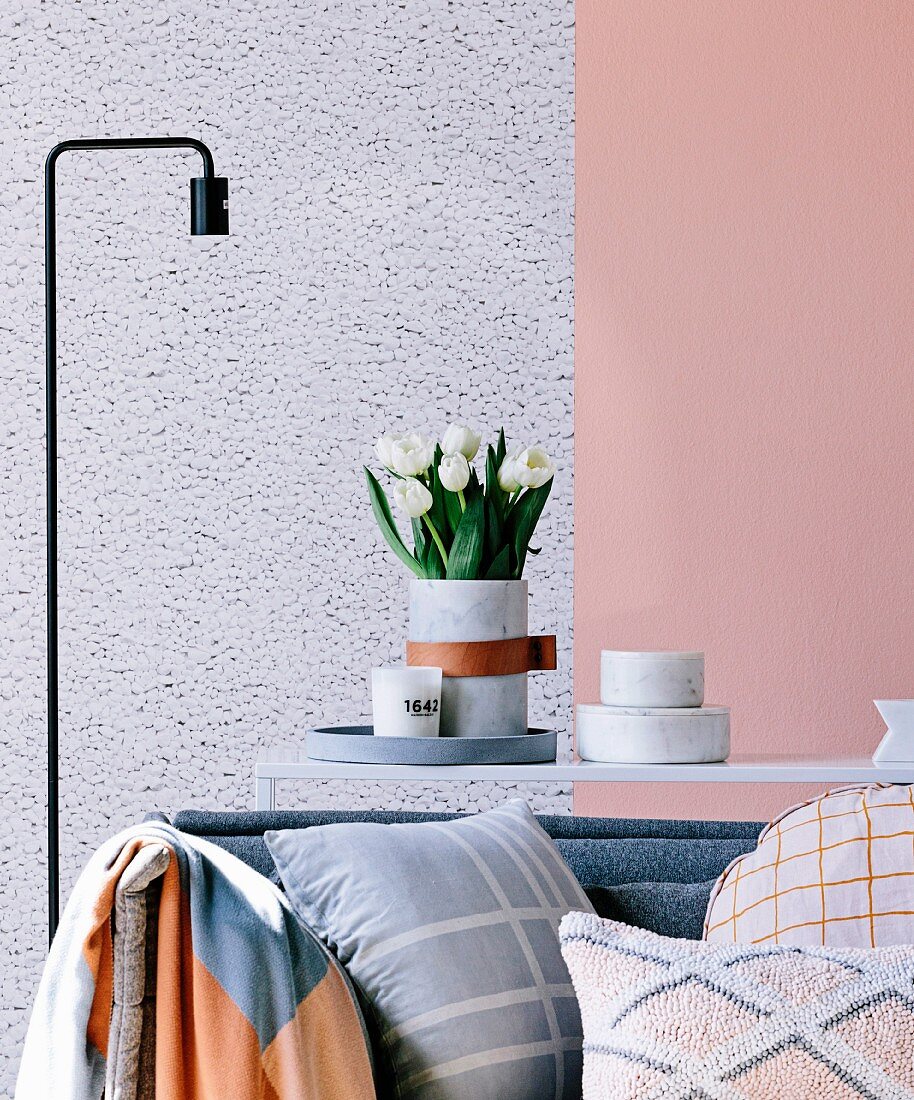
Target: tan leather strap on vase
(507,657)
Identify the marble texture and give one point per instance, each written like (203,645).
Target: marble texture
(652,679)
(401,180)
(474,611)
(467,611)
(652,735)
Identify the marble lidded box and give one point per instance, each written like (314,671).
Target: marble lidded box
(644,679)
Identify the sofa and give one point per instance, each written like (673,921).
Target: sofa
(653,874)
(367,954)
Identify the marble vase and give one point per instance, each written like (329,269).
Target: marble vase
(474,611)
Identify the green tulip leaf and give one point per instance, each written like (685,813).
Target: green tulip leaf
(523,519)
(419,538)
(438,513)
(385,519)
(432,563)
(465,555)
(500,569)
(494,491)
(495,538)
(452,510)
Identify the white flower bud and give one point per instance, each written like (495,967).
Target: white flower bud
(384,449)
(410,454)
(413,497)
(454,471)
(507,477)
(459,439)
(533,468)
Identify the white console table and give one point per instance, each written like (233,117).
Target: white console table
(289,763)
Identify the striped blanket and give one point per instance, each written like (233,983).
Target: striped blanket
(237,1000)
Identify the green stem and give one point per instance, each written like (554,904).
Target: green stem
(462,499)
(437,538)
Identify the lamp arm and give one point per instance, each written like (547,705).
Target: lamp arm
(209,168)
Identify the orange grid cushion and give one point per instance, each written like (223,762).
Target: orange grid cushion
(837,871)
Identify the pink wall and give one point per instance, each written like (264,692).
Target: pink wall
(745,365)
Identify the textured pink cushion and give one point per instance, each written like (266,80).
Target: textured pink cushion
(837,871)
(667,1018)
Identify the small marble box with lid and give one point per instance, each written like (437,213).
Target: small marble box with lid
(651,712)
(662,679)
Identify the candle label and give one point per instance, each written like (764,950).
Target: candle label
(418,707)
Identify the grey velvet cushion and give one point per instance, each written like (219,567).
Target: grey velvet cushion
(602,851)
(610,862)
(449,930)
(675,909)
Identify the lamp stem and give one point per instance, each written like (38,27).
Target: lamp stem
(50,330)
(50,291)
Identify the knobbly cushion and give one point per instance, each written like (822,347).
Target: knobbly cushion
(685,1019)
(449,929)
(837,871)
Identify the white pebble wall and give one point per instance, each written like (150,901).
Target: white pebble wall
(401,200)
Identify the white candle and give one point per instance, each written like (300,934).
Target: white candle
(406,701)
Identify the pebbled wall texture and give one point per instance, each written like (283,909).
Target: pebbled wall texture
(401,182)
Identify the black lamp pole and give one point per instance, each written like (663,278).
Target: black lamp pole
(208,216)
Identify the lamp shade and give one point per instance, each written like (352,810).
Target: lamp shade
(209,211)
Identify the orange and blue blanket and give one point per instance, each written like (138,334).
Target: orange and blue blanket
(249,1003)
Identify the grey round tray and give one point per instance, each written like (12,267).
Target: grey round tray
(357,745)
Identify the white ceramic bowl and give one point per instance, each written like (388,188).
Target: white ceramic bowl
(633,679)
(652,735)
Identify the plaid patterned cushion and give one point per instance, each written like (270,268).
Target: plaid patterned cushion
(837,871)
(681,1020)
(449,929)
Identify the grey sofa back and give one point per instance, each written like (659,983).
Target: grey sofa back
(650,873)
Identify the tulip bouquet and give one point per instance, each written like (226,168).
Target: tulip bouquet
(463,529)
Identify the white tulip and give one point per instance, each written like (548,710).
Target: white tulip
(413,497)
(459,439)
(411,454)
(533,468)
(507,476)
(454,471)
(384,449)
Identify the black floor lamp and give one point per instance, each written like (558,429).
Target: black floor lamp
(208,216)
